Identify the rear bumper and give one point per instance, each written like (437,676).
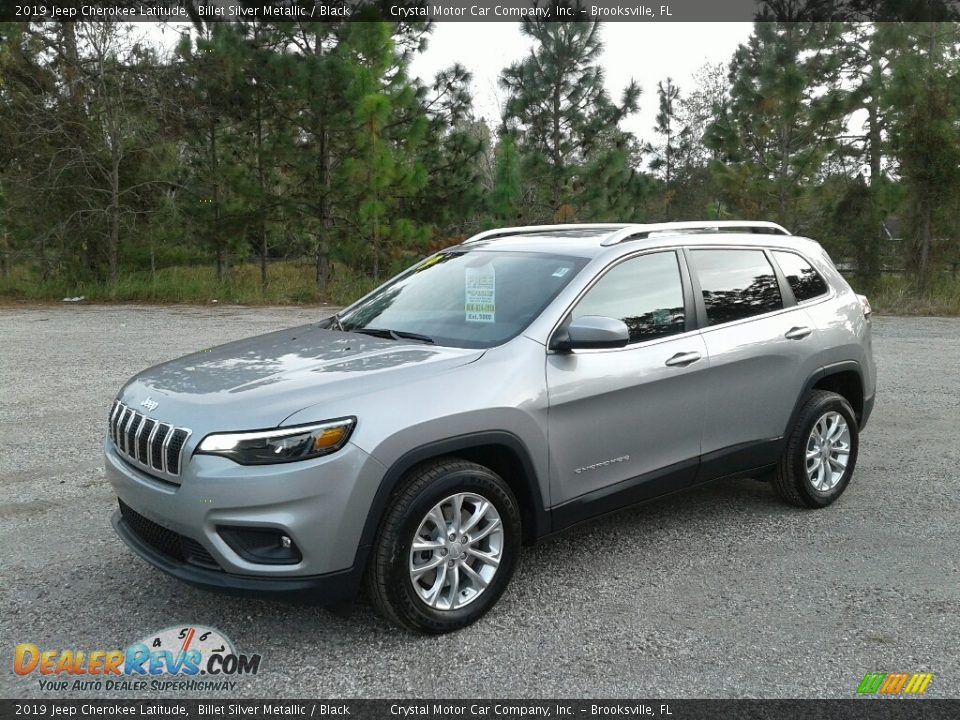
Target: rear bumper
(328,589)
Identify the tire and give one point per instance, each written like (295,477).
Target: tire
(419,599)
(826,480)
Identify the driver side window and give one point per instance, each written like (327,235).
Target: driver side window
(645,292)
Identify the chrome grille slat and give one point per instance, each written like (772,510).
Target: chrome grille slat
(156,451)
(132,428)
(147,441)
(124,424)
(143,441)
(136,438)
(113,419)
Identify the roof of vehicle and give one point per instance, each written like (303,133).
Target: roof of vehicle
(592,240)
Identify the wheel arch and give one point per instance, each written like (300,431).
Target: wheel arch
(844,378)
(501,451)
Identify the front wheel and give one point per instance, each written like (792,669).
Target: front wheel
(821,452)
(447,547)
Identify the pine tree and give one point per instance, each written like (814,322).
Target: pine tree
(785,112)
(383,167)
(865,199)
(452,151)
(558,109)
(925,90)
(664,153)
(506,197)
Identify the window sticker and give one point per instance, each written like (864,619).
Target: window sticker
(481,294)
(561,271)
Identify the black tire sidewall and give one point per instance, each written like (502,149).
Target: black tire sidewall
(813,413)
(474,479)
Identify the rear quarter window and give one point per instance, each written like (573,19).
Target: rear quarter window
(804,280)
(736,284)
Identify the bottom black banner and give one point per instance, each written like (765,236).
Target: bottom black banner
(478,710)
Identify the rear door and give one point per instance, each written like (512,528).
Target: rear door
(630,418)
(760,345)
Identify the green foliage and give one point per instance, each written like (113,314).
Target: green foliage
(561,115)
(926,137)
(507,195)
(786,108)
(300,162)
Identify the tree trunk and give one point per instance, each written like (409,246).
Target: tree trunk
(555,149)
(376,242)
(323,237)
(871,270)
(926,232)
(4,255)
(926,205)
(261,182)
(217,230)
(114,246)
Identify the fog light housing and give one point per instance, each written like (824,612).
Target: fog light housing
(267,546)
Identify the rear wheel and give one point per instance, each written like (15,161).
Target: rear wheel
(821,452)
(447,547)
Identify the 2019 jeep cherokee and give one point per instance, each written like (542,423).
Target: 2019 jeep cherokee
(493,394)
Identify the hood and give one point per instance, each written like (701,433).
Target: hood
(259,382)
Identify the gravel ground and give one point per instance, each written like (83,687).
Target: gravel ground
(719,592)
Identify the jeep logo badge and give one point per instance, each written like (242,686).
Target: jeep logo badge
(149,404)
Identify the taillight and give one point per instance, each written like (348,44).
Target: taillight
(865,304)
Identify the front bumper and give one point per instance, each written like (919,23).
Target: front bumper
(321,504)
(329,589)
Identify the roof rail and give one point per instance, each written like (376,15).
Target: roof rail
(639,232)
(620,232)
(535,229)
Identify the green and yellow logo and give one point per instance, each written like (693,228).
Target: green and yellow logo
(894,683)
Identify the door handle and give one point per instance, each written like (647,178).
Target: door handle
(683,359)
(797,333)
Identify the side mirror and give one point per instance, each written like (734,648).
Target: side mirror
(591,332)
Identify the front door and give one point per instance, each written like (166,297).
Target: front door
(630,418)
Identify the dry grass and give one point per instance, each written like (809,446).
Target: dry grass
(292,283)
(289,283)
(898,295)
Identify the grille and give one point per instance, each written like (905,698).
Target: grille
(167,542)
(153,444)
(196,553)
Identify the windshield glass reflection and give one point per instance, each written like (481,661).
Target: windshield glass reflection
(466,298)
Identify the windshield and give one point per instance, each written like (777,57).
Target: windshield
(464,299)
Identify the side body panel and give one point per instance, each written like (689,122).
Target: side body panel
(846,335)
(756,374)
(620,414)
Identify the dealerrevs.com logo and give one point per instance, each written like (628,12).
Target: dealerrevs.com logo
(177,659)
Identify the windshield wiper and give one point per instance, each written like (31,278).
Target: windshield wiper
(394,334)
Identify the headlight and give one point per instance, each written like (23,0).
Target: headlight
(265,447)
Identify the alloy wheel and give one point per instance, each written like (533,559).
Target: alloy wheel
(828,451)
(456,551)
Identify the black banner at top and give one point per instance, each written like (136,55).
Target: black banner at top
(476,10)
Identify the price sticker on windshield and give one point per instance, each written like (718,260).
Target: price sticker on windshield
(481,294)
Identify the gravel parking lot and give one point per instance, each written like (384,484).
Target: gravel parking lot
(718,592)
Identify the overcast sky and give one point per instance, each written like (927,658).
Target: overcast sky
(646,52)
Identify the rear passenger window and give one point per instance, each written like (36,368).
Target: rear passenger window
(645,292)
(805,282)
(736,284)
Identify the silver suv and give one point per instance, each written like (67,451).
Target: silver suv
(494,394)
